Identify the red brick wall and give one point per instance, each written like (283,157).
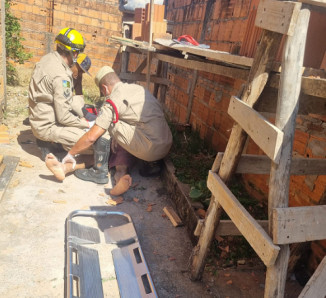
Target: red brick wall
(41,21)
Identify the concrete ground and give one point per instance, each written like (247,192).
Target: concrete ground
(33,212)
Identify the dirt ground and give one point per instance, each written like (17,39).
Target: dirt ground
(35,206)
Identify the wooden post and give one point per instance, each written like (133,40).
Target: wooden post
(158,74)
(257,79)
(149,54)
(287,108)
(191,94)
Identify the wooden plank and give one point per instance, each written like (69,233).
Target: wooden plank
(299,224)
(232,72)
(142,78)
(266,135)
(191,95)
(11,163)
(310,86)
(278,16)
(228,228)
(173,216)
(207,53)
(321,3)
(141,66)
(149,54)
(2,168)
(249,228)
(286,112)
(258,76)
(261,164)
(316,286)
(132,43)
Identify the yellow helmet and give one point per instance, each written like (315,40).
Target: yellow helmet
(84,62)
(70,40)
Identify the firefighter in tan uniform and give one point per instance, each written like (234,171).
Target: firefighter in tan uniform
(54,112)
(134,119)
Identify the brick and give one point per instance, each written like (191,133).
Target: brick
(316,148)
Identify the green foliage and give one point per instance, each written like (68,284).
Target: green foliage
(14,49)
(192,160)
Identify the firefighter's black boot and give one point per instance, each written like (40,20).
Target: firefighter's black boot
(99,172)
(50,147)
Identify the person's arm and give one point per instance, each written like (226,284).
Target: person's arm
(78,84)
(62,97)
(87,140)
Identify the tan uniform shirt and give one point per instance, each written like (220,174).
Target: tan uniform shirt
(142,129)
(51,99)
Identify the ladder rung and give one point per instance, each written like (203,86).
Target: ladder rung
(278,16)
(266,135)
(247,225)
(299,224)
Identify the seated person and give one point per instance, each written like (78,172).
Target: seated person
(54,112)
(134,119)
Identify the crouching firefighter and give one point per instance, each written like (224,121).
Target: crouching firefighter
(133,119)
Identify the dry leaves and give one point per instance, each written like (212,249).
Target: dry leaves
(101,194)
(115,202)
(149,207)
(229,282)
(25,164)
(135,199)
(201,213)
(171,259)
(60,201)
(134,185)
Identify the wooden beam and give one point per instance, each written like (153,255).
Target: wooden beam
(299,224)
(141,66)
(261,164)
(321,3)
(173,216)
(207,53)
(149,54)
(142,78)
(286,113)
(191,94)
(249,228)
(316,286)
(258,76)
(232,72)
(266,135)
(310,86)
(228,228)
(278,16)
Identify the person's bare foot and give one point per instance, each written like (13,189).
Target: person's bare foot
(122,186)
(120,171)
(56,167)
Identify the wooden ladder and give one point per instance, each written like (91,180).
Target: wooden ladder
(286,225)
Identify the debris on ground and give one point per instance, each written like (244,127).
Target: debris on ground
(114,202)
